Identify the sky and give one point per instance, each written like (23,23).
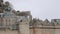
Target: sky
(42,9)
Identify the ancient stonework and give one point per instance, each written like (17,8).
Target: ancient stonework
(21,22)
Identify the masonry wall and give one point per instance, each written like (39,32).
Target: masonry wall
(34,31)
(57,31)
(8,32)
(44,31)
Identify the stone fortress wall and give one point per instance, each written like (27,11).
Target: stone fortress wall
(16,22)
(45,27)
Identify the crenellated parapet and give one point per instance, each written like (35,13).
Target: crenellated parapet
(46,22)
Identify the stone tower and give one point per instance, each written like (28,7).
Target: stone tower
(23,20)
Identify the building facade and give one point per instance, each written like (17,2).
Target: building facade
(16,22)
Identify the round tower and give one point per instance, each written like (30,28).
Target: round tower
(23,20)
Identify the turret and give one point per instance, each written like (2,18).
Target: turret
(24,20)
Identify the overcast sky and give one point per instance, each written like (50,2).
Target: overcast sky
(42,9)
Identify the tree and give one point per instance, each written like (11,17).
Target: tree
(8,6)
(1,1)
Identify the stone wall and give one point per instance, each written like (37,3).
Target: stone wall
(8,32)
(45,31)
